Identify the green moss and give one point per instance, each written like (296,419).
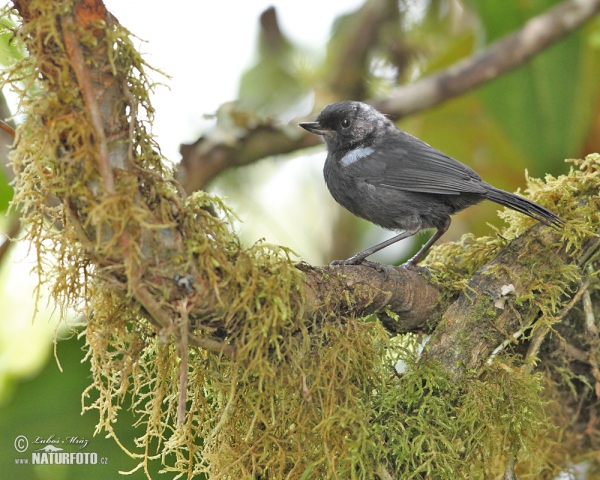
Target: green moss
(434,427)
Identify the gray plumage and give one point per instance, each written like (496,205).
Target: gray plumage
(399,182)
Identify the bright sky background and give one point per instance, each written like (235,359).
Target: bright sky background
(205,46)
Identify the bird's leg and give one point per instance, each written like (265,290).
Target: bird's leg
(359,258)
(412,263)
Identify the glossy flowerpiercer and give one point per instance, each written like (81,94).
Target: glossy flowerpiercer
(399,182)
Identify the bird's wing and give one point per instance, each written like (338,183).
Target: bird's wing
(403,162)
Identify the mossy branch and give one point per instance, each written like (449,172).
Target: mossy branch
(520,282)
(502,300)
(412,299)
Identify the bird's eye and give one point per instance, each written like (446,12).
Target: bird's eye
(345,123)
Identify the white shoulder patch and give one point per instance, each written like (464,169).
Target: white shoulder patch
(355,155)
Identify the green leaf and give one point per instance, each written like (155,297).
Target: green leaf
(546,106)
(8,50)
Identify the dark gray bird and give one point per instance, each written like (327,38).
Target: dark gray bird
(399,182)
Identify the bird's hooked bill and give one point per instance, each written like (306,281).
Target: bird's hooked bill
(314,127)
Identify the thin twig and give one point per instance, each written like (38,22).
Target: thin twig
(383,473)
(591,429)
(509,472)
(158,317)
(590,250)
(13,229)
(212,345)
(590,320)
(7,128)
(577,354)
(183,366)
(535,343)
(540,333)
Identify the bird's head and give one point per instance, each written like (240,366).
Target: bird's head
(348,124)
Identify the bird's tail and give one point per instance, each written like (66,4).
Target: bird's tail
(520,204)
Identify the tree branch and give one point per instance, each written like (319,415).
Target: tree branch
(476,323)
(362,290)
(350,47)
(499,58)
(89,95)
(203,160)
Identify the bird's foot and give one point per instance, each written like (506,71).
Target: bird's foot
(380,267)
(355,260)
(361,261)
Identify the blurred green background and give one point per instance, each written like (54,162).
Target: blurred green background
(532,118)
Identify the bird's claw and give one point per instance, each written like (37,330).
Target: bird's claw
(338,263)
(367,263)
(380,267)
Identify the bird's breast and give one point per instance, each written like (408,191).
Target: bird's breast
(341,184)
(347,188)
